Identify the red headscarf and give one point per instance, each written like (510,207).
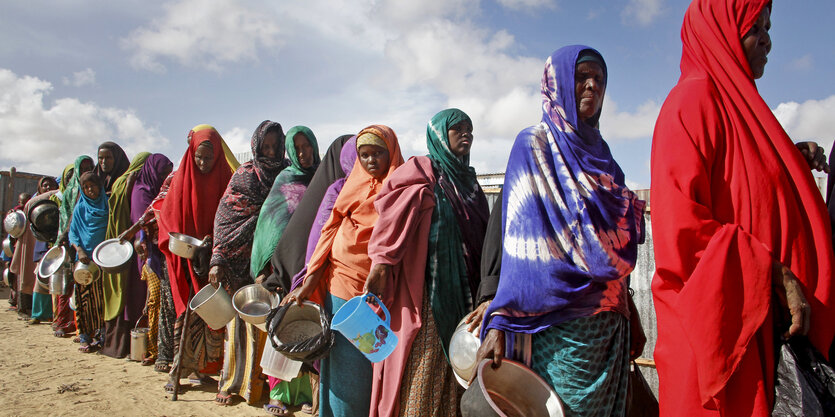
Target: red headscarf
(190,207)
(730,194)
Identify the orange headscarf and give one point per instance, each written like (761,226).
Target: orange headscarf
(190,207)
(345,236)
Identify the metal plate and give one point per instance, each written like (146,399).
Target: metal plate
(112,254)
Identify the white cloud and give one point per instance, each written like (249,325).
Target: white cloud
(616,125)
(642,12)
(803,63)
(81,78)
(238,139)
(203,33)
(810,120)
(528,4)
(43,138)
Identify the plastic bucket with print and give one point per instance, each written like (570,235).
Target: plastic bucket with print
(358,322)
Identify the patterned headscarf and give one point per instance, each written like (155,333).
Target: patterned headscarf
(281,203)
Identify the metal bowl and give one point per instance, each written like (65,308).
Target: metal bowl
(253,303)
(183,245)
(42,282)
(6,279)
(60,283)
(112,256)
(299,323)
(463,347)
(85,274)
(52,261)
(7,246)
(15,223)
(510,390)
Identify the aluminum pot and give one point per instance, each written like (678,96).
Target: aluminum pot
(463,346)
(42,281)
(183,245)
(253,303)
(60,282)
(112,256)
(53,260)
(214,306)
(510,390)
(7,246)
(6,279)
(15,223)
(85,274)
(139,343)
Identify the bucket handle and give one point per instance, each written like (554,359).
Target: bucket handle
(136,326)
(382,306)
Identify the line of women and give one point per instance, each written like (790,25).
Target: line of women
(544,277)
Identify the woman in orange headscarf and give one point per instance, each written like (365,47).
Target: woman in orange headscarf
(339,266)
(731,257)
(189,208)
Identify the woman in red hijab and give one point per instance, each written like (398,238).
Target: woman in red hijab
(189,208)
(741,232)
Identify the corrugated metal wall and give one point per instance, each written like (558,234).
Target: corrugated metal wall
(11,185)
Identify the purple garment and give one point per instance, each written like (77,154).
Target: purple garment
(149,180)
(346,159)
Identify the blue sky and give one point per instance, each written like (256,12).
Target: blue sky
(76,73)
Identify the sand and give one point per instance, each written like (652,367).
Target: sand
(43,375)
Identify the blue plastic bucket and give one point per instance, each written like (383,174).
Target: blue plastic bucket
(358,322)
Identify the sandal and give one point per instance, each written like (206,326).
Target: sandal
(86,348)
(307,408)
(276,410)
(162,367)
(169,388)
(76,339)
(60,333)
(223,399)
(148,361)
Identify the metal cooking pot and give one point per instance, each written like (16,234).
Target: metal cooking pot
(15,223)
(214,306)
(183,245)
(43,216)
(60,282)
(510,390)
(52,261)
(112,256)
(7,246)
(85,274)
(253,303)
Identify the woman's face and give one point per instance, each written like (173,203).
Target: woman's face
(303,150)
(204,157)
(757,43)
(46,186)
(269,146)
(106,160)
(91,189)
(86,166)
(374,160)
(589,88)
(461,138)
(69,175)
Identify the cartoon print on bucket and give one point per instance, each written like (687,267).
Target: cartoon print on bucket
(358,322)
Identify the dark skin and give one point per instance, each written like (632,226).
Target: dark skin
(204,157)
(589,89)
(303,150)
(92,191)
(375,161)
(270,146)
(461,138)
(106,160)
(85,166)
(134,228)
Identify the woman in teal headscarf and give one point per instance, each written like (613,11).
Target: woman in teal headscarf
(287,191)
(426,253)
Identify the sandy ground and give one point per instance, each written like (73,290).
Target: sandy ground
(44,375)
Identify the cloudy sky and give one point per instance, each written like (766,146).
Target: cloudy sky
(75,73)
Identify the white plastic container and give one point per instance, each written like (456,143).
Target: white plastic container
(276,365)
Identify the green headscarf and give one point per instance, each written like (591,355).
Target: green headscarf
(276,212)
(69,195)
(118,222)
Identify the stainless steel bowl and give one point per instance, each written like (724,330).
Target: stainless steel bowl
(214,306)
(183,245)
(510,390)
(52,261)
(7,246)
(253,303)
(85,274)
(60,283)
(15,223)
(6,279)
(112,256)
(463,347)
(43,217)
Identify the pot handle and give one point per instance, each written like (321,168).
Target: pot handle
(382,306)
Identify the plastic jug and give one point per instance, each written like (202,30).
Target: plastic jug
(358,322)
